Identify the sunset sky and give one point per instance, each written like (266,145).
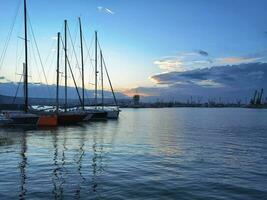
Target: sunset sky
(148,44)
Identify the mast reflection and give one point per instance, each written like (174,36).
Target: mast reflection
(58,176)
(81,154)
(22,166)
(97,163)
(56,172)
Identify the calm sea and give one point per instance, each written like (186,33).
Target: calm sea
(183,153)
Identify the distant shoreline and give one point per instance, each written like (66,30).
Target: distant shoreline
(144,107)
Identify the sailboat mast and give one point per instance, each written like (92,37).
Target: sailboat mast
(26,57)
(109,80)
(58,49)
(82,62)
(102,78)
(96,69)
(66,66)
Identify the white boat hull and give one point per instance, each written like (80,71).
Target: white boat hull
(113,114)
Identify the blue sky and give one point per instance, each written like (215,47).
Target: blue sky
(144,38)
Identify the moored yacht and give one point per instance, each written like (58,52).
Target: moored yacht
(4,120)
(21,118)
(71,117)
(96,114)
(113,114)
(24,118)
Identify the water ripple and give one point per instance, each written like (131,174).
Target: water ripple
(147,154)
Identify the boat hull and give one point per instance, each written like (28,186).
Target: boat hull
(100,115)
(70,118)
(48,120)
(88,117)
(113,114)
(23,119)
(4,121)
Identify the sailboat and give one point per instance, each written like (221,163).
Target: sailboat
(49,119)
(111,113)
(67,117)
(63,116)
(101,113)
(4,120)
(92,114)
(23,117)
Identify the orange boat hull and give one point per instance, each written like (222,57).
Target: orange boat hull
(48,120)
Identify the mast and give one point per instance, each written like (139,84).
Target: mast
(82,62)
(26,58)
(66,66)
(58,49)
(102,79)
(110,84)
(96,69)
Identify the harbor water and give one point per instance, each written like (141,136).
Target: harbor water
(168,153)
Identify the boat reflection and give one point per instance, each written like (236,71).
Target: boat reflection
(81,155)
(73,176)
(97,163)
(57,175)
(22,166)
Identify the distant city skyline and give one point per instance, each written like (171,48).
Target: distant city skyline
(155,48)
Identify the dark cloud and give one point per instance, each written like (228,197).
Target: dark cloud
(231,82)
(243,75)
(202,52)
(2,78)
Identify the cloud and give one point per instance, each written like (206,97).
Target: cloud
(203,53)
(142,91)
(184,61)
(209,83)
(171,63)
(105,10)
(109,11)
(2,78)
(237,60)
(244,75)
(229,82)
(201,59)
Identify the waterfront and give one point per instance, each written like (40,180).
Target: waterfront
(169,153)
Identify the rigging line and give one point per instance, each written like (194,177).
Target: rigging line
(35,60)
(53,43)
(16,63)
(89,56)
(75,38)
(19,57)
(88,49)
(39,55)
(77,90)
(115,99)
(77,62)
(17,90)
(51,63)
(3,54)
(74,52)
(109,80)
